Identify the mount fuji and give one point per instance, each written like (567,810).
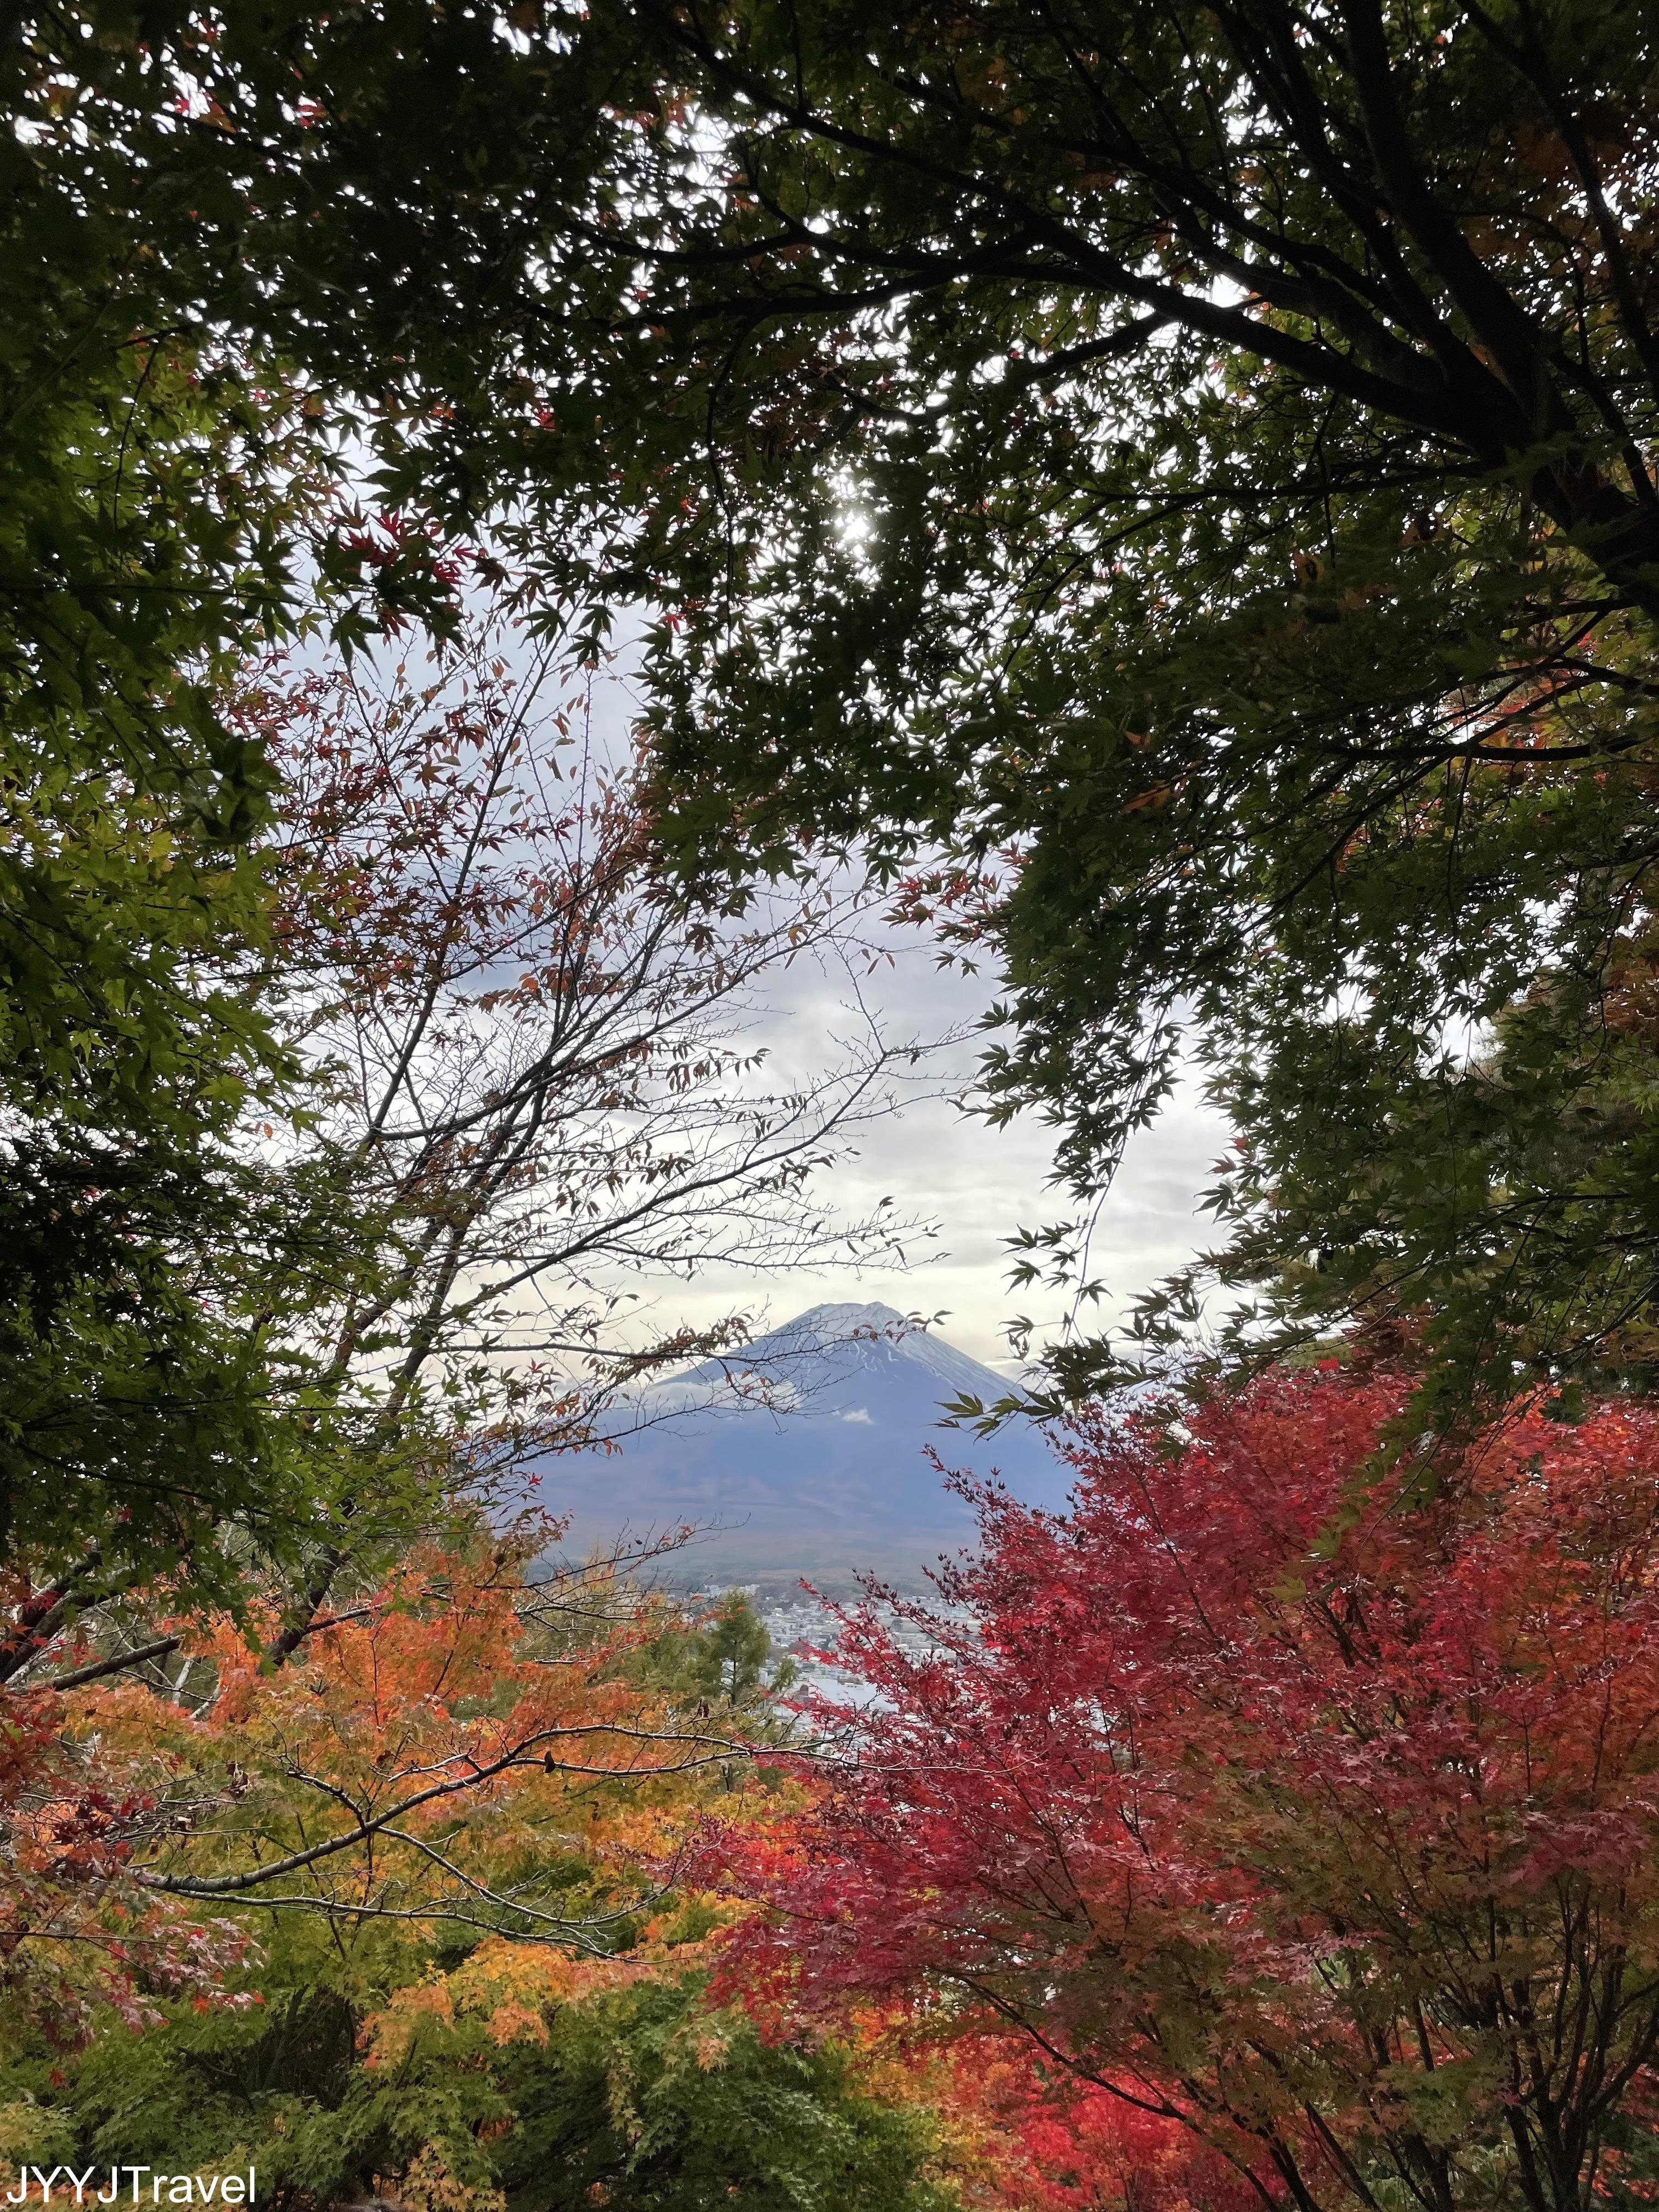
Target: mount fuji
(829,1476)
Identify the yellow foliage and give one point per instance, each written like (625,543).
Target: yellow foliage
(428,2185)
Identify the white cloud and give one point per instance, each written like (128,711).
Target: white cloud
(978,1184)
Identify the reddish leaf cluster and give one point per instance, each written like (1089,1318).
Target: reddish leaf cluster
(1049,2146)
(1309,1808)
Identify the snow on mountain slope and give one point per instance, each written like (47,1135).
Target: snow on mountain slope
(841,1483)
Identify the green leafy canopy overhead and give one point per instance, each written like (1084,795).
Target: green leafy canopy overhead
(1194,462)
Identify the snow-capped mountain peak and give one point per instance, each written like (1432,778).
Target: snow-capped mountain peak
(872,1337)
(822,1467)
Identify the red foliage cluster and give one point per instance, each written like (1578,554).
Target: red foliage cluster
(1307,1807)
(1051,2144)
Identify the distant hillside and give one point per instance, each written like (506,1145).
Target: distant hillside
(841,1483)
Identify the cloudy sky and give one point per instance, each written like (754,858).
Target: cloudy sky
(974,1183)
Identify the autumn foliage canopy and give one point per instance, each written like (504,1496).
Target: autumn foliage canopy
(1273,1828)
(1298,1804)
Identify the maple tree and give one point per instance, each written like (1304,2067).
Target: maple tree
(1026,2136)
(1303,1807)
(113,1768)
(455,1822)
(457,1719)
(77,1936)
(536,1062)
(641,2096)
(154,491)
(365,1704)
(530,1102)
(1195,463)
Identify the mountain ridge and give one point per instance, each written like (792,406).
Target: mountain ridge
(824,1473)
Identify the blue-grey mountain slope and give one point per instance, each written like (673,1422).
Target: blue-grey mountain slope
(841,1484)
